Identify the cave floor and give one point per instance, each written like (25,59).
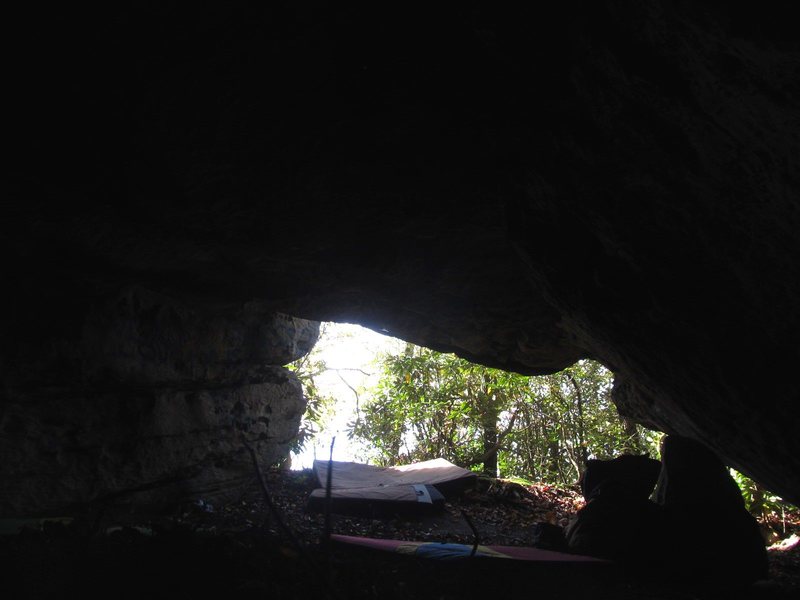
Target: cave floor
(240,549)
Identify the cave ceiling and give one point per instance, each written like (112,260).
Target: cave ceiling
(526,187)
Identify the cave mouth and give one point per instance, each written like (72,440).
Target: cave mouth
(575,403)
(362,385)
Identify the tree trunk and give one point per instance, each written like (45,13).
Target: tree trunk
(490,442)
(553,451)
(584,450)
(489,416)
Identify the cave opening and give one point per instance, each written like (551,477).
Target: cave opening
(360,384)
(581,398)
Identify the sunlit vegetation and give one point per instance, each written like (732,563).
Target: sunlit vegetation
(319,404)
(429,404)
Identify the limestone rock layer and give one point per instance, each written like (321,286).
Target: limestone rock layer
(148,405)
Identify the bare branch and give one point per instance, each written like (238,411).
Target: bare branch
(353,369)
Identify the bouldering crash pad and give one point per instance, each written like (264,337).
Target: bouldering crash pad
(450,551)
(419,488)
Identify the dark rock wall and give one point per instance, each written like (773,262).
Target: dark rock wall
(147,403)
(523,186)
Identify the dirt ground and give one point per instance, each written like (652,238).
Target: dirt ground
(244,549)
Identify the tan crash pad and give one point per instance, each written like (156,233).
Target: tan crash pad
(447,477)
(417,499)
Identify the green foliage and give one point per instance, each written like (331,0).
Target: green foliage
(430,404)
(427,404)
(318,405)
(761,503)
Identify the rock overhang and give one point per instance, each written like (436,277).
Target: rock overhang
(523,188)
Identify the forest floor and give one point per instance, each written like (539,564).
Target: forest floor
(244,549)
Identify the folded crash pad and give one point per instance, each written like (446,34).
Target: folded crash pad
(377,501)
(447,477)
(356,488)
(448,551)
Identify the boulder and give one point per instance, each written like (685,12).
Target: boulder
(618,521)
(723,548)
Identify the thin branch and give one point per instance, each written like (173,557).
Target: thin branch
(329,591)
(328,487)
(475,537)
(344,381)
(352,389)
(270,504)
(353,369)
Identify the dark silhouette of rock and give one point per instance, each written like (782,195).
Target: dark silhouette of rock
(619,521)
(711,536)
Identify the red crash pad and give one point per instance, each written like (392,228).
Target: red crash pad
(448,551)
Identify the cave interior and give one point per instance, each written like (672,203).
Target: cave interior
(192,190)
